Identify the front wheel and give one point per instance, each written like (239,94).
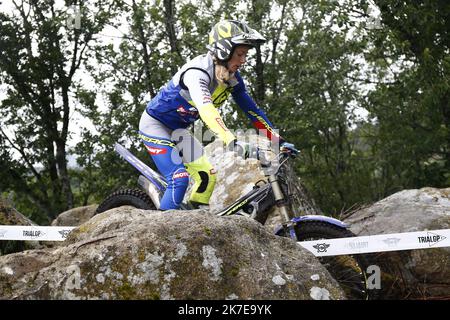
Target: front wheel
(126,197)
(350,271)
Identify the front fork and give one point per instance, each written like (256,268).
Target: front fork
(280,200)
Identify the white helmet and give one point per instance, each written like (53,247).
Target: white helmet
(228,34)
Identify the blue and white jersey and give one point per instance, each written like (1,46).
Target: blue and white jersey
(195,85)
(174,105)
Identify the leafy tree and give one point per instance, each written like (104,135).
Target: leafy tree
(412,111)
(323,63)
(42,51)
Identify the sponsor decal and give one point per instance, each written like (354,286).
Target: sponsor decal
(191,114)
(204,84)
(321,247)
(391,242)
(237,206)
(265,124)
(32,233)
(156,151)
(431,238)
(205,91)
(357,245)
(207,100)
(64,233)
(220,97)
(157,141)
(220,122)
(179,175)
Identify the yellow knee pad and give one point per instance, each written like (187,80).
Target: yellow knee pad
(204,177)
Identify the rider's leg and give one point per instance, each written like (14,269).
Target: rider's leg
(204,176)
(157,140)
(198,166)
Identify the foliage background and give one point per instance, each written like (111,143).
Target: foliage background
(361,87)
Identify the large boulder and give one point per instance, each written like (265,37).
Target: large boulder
(415,274)
(128,253)
(75,217)
(236,177)
(11,217)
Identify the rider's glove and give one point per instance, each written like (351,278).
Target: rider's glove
(289,148)
(242,148)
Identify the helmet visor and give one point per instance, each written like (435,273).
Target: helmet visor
(251,38)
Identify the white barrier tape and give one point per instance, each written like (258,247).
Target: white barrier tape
(324,247)
(379,243)
(34,233)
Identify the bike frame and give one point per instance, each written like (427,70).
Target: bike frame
(255,204)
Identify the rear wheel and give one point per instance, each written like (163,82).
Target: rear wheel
(350,271)
(126,197)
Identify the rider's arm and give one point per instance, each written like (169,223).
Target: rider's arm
(197,83)
(255,114)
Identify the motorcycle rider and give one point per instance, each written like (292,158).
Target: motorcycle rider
(195,91)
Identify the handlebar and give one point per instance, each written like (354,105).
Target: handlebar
(280,158)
